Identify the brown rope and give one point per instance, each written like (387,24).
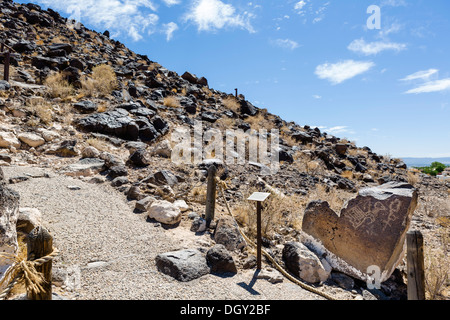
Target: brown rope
(24,272)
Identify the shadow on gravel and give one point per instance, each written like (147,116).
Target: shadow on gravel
(249,287)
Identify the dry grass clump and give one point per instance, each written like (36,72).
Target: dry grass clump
(198,194)
(172,102)
(58,86)
(102,82)
(41,109)
(99,144)
(277,211)
(437,267)
(413,177)
(261,121)
(231,103)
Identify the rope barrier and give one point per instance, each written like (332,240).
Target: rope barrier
(25,272)
(223,185)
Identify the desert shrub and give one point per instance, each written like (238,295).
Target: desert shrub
(58,86)
(171,102)
(412,178)
(41,109)
(101,83)
(231,103)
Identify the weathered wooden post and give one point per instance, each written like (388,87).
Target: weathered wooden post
(259,197)
(236,92)
(415,265)
(40,244)
(211,194)
(6,65)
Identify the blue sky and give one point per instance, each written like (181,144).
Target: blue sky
(315,62)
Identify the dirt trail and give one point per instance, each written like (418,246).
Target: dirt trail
(109,251)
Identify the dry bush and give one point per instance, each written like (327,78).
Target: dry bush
(437,267)
(260,121)
(225,123)
(172,102)
(102,82)
(231,103)
(198,194)
(58,86)
(99,144)
(41,109)
(277,212)
(413,178)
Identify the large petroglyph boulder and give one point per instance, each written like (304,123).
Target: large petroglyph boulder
(9,211)
(370,230)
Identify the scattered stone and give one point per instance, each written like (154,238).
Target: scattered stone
(163,149)
(31,139)
(227,233)
(86,106)
(342,280)
(119,181)
(165,212)
(90,152)
(66,149)
(139,158)
(18,179)
(182,205)
(304,264)
(143,204)
(28,219)
(220,260)
(85,167)
(198,225)
(9,139)
(250,262)
(271,275)
(370,230)
(184,265)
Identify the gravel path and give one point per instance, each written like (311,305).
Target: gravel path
(110,251)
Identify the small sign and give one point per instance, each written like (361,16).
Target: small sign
(258,196)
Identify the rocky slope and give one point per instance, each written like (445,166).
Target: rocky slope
(123,136)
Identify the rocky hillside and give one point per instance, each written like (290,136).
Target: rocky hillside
(83,104)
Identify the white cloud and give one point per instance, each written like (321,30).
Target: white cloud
(171,2)
(432,86)
(118,16)
(339,72)
(316,96)
(421,75)
(299,5)
(169,29)
(286,43)
(372,48)
(210,15)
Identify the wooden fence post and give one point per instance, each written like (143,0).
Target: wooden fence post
(6,65)
(415,266)
(40,244)
(211,195)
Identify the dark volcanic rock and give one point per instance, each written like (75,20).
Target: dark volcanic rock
(183,265)
(116,123)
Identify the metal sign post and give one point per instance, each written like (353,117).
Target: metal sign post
(259,197)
